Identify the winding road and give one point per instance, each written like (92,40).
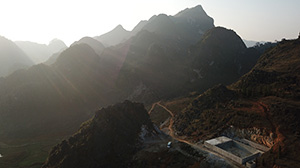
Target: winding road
(200,147)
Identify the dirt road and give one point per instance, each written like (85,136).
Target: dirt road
(200,147)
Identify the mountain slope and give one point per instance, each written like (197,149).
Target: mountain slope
(157,67)
(39,53)
(109,139)
(53,99)
(262,106)
(146,68)
(96,45)
(196,15)
(193,22)
(221,57)
(12,57)
(163,25)
(188,25)
(56,45)
(114,37)
(277,72)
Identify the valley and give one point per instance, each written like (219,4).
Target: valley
(151,97)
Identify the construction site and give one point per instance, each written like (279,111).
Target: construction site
(243,151)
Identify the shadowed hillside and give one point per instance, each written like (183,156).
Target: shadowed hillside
(94,44)
(39,53)
(148,67)
(12,57)
(157,67)
(262,106)
(109,139)
(53,99)
(114,37)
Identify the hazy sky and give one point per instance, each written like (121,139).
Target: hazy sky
(69,20)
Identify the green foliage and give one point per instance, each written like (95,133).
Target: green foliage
(108,140)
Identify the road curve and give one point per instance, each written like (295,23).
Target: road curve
(199,147)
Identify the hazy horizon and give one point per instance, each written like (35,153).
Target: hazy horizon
(42,21)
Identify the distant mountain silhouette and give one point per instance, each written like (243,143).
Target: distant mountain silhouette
(39,53)
(114,37)
(162,24)
(251,43)
(96,45)
(52,59)
(12,57)
(56,45)
(196,17)
(139,27)
(56,97)
(189,25)
(109,139)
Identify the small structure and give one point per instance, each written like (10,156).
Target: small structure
(251,164)
(234,150)
(169,145)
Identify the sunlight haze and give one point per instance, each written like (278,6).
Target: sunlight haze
(41,21)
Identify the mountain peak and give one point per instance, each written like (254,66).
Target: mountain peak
(197,10)
(219,34)
(95,44)
(198,7)
(56,41)
(139,26)
(120,27)
(114,37)
(56,45)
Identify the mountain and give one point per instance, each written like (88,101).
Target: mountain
(12,57)
(39,53)
(277,72)
(251,43)
(49,101)
(146,68)
(56,45)
(188,25)
(56,97)
(163,25)
(96,45)
(195,16)
(52,59)
(114,37)
(109,139)
(139,27)
(221,57)
(153,59)
(263,105)
(122,135)
(193,22)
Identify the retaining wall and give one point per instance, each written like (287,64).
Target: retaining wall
(224,153)
(255,145)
